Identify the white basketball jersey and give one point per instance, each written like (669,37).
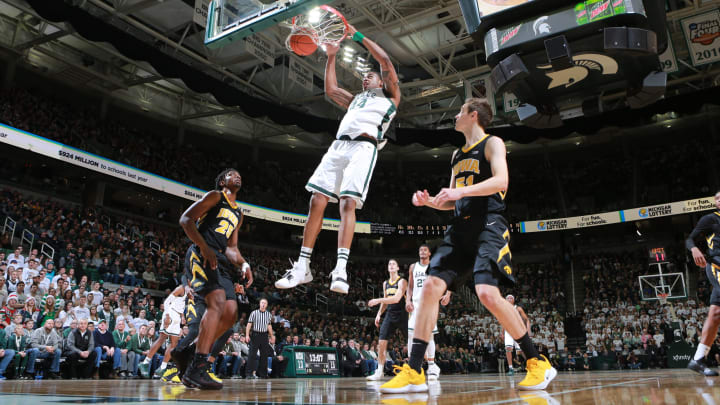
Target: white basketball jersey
(369,113)
(176,304)
(419,276)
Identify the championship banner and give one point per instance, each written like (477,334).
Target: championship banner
(702,34)
(615,217)
(78,157)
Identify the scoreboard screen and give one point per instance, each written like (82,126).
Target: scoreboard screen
(657,255)
(311,361)
(488,7)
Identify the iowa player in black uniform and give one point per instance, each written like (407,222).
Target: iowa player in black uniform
(709,228)
(393,305)
(475,243)
(212,225)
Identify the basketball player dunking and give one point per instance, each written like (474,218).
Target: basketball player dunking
(393,305)
(212,225)
(344,172)
(510,343)
(418,275)
(709,227)
(476,241)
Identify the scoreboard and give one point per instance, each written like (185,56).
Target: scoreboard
(307,361)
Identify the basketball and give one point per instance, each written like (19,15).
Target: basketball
(302,44)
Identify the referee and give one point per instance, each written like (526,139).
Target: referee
(259,340)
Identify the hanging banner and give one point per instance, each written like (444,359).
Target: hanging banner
(200,13)
(300,74)
(668,61)
(511,102)
(702,34)
(480,87)
(90,161)
(261,49)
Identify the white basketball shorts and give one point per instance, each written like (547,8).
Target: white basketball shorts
(509,341)
(345,171)
(174,328)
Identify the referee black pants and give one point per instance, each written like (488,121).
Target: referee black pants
(258,342)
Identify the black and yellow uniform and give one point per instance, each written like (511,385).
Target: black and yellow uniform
(478,236)
(709,227)
(215,227)
(395,314)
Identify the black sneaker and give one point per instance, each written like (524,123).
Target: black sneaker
(53,376)
(182,359)
(700,367)
(197,377)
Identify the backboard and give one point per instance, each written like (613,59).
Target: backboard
(660,282)
(233,20)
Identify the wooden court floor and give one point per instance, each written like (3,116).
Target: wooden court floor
(626,387)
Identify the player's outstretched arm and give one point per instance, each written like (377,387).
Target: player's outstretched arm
(424,199)
(340,96)
(387,70)
(190,217)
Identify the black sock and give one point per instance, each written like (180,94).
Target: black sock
(200,359)
(528,348)
(417,354)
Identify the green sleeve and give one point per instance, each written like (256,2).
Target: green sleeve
(116,339)
(134,345)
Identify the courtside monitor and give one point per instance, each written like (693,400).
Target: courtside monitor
(233,20)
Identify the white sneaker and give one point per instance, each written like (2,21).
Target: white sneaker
(339,282)
(297,275)
(433,372)
(377,375)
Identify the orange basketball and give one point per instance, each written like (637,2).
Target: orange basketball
(302,44)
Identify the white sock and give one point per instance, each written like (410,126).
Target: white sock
(342,258)
(163,366)
(701,352)
(146,361)
(431,362)
(305,253)
(431,348)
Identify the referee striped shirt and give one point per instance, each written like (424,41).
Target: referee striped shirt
(260,320)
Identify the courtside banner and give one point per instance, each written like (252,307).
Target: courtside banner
(78,157)
(616,217)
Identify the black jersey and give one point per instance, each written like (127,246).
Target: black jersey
(469,167)
(709,227)
(390,290)
(218,224)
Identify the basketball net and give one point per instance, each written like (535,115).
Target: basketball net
(324,25)
(662,298)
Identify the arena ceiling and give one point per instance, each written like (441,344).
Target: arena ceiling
(426,39)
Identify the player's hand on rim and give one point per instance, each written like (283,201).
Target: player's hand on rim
(351,30)
(331,48)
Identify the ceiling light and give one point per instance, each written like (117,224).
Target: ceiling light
(314,15)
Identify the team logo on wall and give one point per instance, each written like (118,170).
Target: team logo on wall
(584,64)
(541,26)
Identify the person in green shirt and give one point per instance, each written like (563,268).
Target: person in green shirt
(122,342)
(140,345)
(18,342)
(48,311)
(106,313)
(6,354)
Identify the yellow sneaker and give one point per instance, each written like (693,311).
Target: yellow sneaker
(169,374)
(175,380)
(539,398)
(406,380)
(214,377)
(539,374)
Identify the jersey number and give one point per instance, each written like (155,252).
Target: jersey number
(463,181)
(420,283)
(227,225)
(358,103)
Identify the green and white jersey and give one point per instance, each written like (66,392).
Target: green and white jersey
(369,113)
(419,276)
